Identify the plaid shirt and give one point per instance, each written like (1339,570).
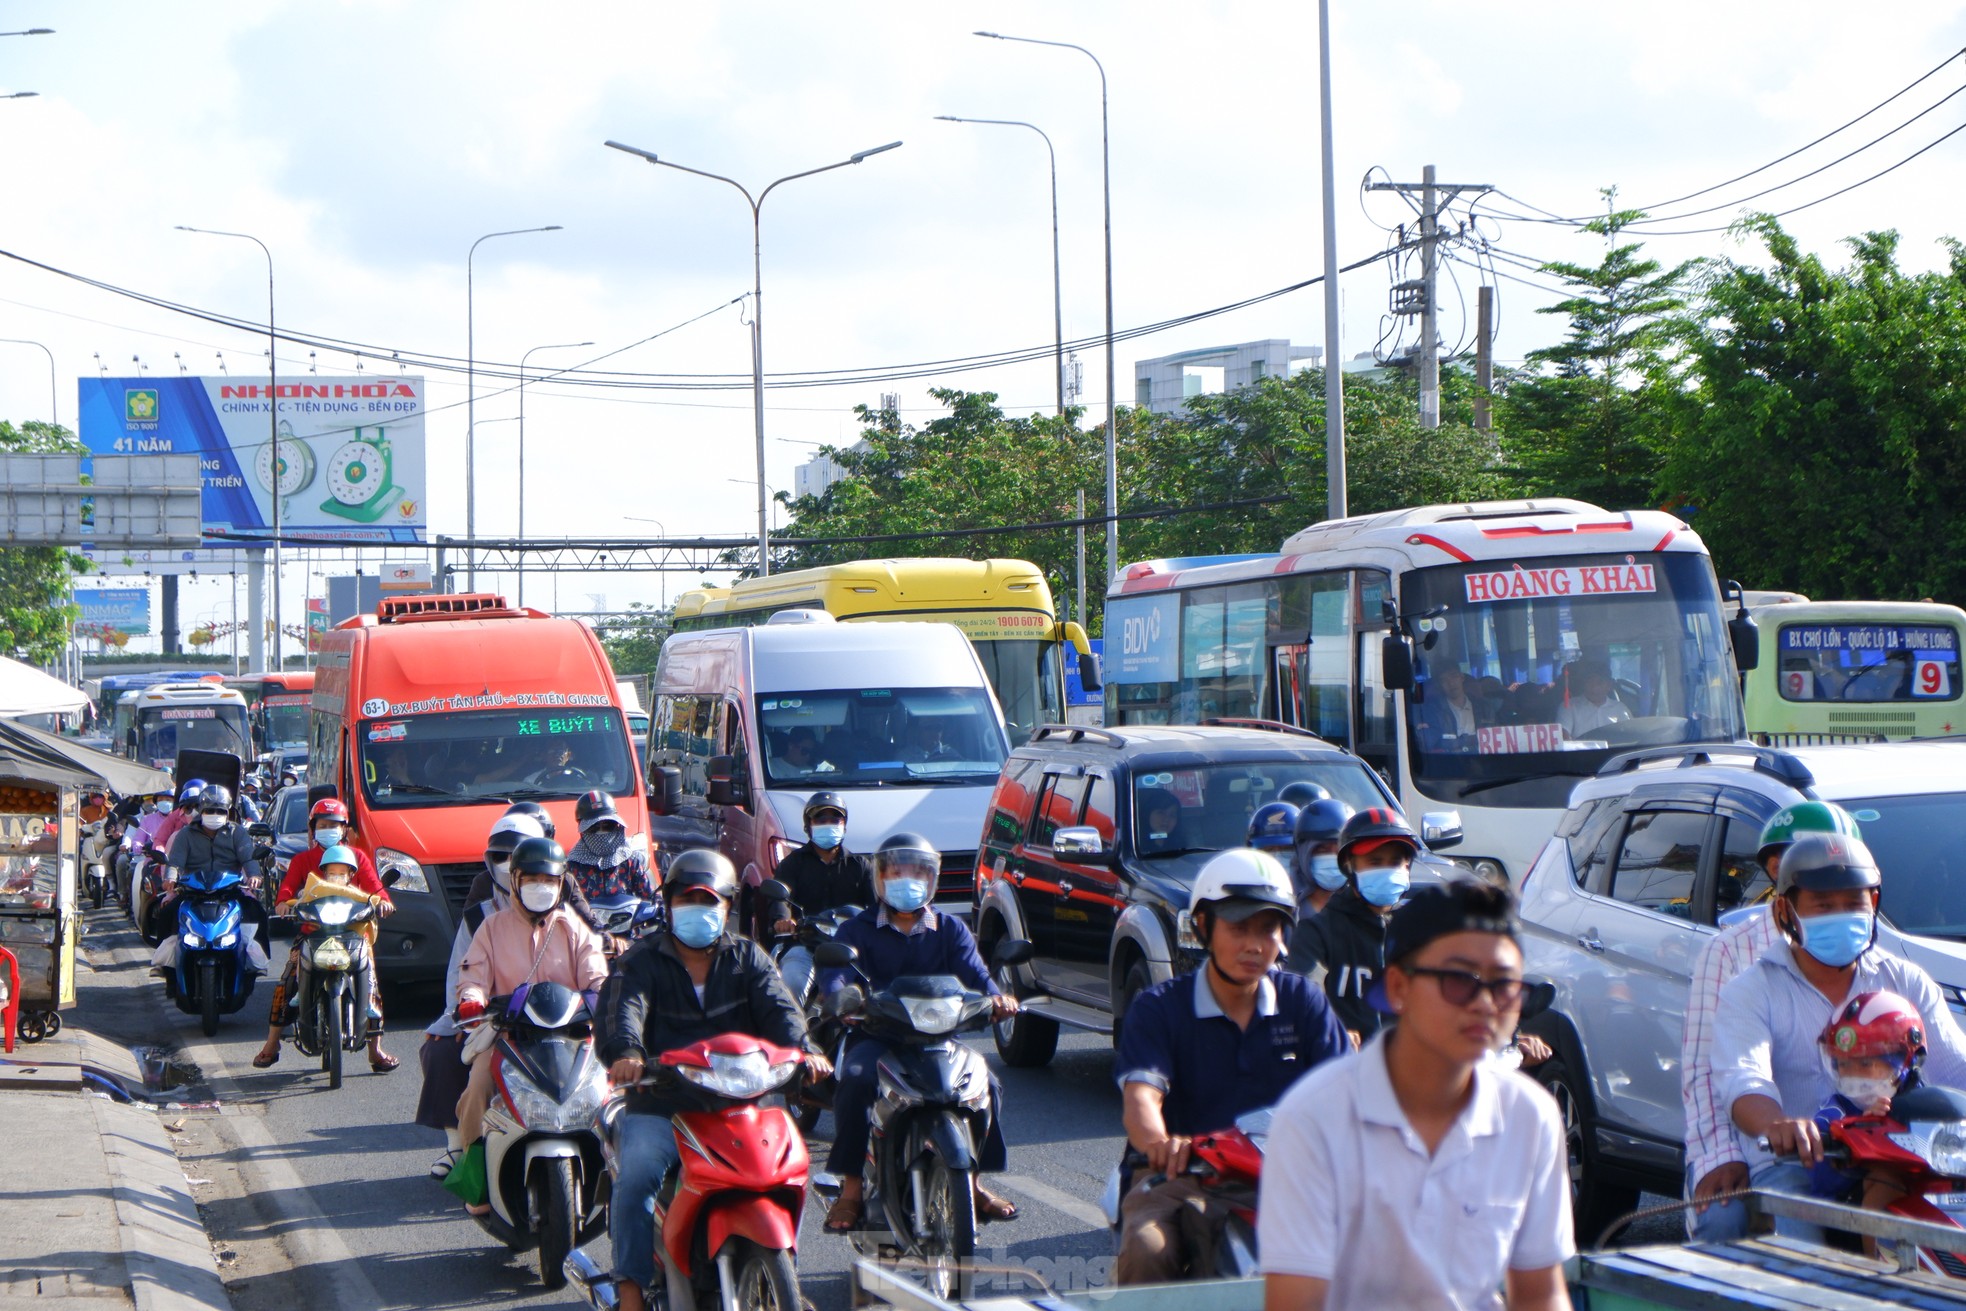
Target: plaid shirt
(1710,1138)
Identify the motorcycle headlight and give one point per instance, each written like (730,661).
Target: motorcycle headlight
(331,954)
(334,911)
(228,940)
(739,1077)
(190,939)
(1941,1142)
(409,874)
(933,1014)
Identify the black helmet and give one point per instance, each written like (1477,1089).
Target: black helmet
(538,856)
(1322,821)
(1826,862)
(593,808)
(902,850)
(216,796)
(823,801)
(1372,826)
(700,867)
(537,811)
(1301,794)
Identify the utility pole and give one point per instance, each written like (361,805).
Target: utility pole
(1432,193)
(1484,358)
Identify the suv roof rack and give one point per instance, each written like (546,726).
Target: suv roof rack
(1772,761)
(1076,733)
(1264,725)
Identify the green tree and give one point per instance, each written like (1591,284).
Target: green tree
(634,642)
(35,609)
(1590,416)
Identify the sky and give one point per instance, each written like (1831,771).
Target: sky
(368,143)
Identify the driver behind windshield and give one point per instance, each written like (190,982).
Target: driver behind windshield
(1590,699)
(1160,821)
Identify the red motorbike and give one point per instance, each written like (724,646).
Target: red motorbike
(1228,1158)
(728,1217)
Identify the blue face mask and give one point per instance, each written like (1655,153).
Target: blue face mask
(1384,887)
(1325,871)
(1837,940)
(828,836)
(697,926)
(905,895)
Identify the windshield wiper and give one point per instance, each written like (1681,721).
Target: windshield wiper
(1174,851)
(420,789)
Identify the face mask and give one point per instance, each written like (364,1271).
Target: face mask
(697,926)
(327,837)
(828,836)
(1864,1092)
(501,872)
(539,897)
(905,895)
(212,821)
(149,807)
(1324,869)
(1384,887)
(1837,940)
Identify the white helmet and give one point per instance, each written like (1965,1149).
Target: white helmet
(507,833)
(1241,882)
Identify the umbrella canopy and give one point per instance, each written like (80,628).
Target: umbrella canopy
(34,756)
(25,690)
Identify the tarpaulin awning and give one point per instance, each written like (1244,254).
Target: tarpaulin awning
(25,690)
(33,756)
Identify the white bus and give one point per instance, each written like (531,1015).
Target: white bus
(1482,657)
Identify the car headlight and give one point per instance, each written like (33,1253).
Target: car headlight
(331,954)
(1941,1142)
(1184,932)
(933,1014)
(780,849)
(409,874)
(739,1077)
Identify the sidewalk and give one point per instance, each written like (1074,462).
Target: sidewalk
(94,1207)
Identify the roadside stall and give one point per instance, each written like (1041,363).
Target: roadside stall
(42,778)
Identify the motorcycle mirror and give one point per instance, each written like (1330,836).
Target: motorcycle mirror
(1538,995)
(773,890)
(835,956)
(1012,951)
(264,832)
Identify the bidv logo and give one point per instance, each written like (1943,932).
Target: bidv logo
(375,705)
(1139,633)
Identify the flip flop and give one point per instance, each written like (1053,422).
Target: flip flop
(990,1208)
(844,1215)
(384,1063)
(262,1060)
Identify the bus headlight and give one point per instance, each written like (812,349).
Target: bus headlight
(409,874)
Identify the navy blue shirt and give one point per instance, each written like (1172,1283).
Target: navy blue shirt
(940,944)
(1177,1039)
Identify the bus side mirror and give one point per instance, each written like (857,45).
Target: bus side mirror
(1395,663)
(1741,630)
(665,790)
(321,792)
(1088,671)
(727,787)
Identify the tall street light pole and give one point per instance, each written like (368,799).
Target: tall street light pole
(557,346)
(1334,371)
(471,402)
(54,406)
(1057,299)
(272,423)
(1112,403)
(757,308)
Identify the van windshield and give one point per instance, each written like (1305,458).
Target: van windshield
(470,755)
(867,736)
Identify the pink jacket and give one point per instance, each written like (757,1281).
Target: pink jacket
(509,949)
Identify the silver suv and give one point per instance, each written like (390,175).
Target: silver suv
(1652,851)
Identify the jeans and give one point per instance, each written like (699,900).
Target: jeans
(645,1152)
(1787,1177)
(795,967)
(853,1112)
(1720,1223)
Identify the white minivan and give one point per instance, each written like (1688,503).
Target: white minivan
(898,718)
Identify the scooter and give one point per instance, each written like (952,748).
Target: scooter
(150,881)
(544,1166)
(931,1115)
(728,1218)
(823,1022)
(1227,1158)
(214,972)
(99,842)
(331,996)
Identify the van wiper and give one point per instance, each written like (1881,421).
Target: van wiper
(420,789)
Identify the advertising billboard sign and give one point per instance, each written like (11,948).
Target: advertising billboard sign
(351,450)
(122,609)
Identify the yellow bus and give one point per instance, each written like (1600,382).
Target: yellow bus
(1004,606)
(1855,669)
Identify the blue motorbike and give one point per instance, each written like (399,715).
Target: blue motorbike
(214,974)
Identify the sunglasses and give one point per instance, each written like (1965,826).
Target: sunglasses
(1460,987)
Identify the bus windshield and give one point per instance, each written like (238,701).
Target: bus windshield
(283,721)
(1533,673)
(1867,661)
(473,755)
(1029,682)
(163,731)
(867,736)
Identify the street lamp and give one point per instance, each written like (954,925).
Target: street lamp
(1057,300)
(1112,406)
(471,403)
(272,422)
(54,407)
(757,306)
(557,346)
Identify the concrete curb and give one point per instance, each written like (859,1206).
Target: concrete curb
(165,1247)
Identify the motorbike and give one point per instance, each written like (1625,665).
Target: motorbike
(544,1166)
(931,1116)
(99,843)
(150,881)
(214,972)
(827,1027)
(728,1217)
(625,917)
(1227,1158)
(331,996)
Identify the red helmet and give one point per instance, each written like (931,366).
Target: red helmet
(1877,1024)
(328,808)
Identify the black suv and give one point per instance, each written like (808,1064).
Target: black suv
(1094,837)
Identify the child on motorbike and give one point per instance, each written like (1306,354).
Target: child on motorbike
(1873,1046)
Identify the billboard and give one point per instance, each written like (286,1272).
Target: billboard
(118,609)
(351,450)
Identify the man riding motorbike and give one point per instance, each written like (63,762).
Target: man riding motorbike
(1314,858)
(822,875)
(215,844)
(903,935)
(695,980)
(604,862)
(1347,939)
(1202,1049)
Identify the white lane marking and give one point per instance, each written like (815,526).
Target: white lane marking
(1086,1213)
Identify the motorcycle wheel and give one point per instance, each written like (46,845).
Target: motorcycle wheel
(208,998)
(558,1220)
(331,1040)
(766,1279)
(96,893)
(950,1242)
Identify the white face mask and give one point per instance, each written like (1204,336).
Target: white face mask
(1864,1092)
(539,897)
(212,821)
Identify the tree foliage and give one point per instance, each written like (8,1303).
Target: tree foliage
(35,609)
(634,642)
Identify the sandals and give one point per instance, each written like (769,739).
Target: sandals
(441,1167)
(990,1208)
(844,1215)
(382,1062)
(261,1060)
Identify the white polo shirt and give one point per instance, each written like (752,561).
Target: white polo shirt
(1349,1194)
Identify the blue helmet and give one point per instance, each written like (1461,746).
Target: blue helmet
(188,794)
(1322,821)
(1273,826)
